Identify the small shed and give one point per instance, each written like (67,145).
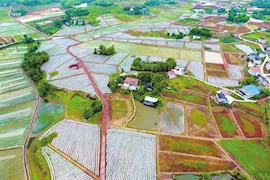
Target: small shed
(150,101)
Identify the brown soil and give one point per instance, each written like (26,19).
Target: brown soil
(181,163)
(129,107)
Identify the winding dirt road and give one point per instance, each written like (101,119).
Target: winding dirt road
(105,113)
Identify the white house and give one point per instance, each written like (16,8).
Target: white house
(150,101)
(262,40)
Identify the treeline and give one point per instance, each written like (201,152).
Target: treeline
(102,50)
(139,65)
(236,17)
(96,107)
(65,3)
(261,3)
(201,32)
(32,67)
(159,2)
(261,14)
(39,158)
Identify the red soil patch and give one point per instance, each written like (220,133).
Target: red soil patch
(189,146)
(218,73)
(213,66)
(219,115)
(259,25)
(228,28)
(241,29)
(251,127)
(181,163)
(205,126)
(250,111)
(234,58)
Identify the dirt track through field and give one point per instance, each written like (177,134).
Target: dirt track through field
(105,113)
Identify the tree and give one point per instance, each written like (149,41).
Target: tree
(209,10)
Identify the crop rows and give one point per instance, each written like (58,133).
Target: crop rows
(80,141)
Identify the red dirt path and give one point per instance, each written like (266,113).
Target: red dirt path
(105,114)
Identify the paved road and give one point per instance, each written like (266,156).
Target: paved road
(105,114)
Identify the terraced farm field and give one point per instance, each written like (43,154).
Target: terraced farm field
(17,98)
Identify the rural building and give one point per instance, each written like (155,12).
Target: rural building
(267,50)
(267,66)
(262,40)
(262,55)
(130,83)
(249,91)
(223,97)
(263,29)
(196,37)
(172,74)
(254,58)
(254,71)
(150,101)
(179,71)
(262,81)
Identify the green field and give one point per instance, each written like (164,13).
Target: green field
(225,124)
(4,13)
(256,35)
(191,55)
(189,21)
(190,146)
(48,113)
(253,155)
(145,118)
(137,49)
(11,164)
(199,118)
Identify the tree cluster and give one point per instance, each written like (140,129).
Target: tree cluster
(39,158)
(139,65)
(115,79)
(137,10)
(152,3)
(95,108)
(201,32)
(157,82)
(261,3)
(32,65)
(74,12)
(261,14)
(236,17)
(176,36)
(104,3)
(27,39)
(23,12)
(65,3)
(102,50)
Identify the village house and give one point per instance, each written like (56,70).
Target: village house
(262,40)
(262,81)
(254,71)
(130,83)
(223,97)
(172,74)
(150,101)
(262,55)
(263,29)
(254,59)
(267,66)
(249,91)
(267,50)
(196,37)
